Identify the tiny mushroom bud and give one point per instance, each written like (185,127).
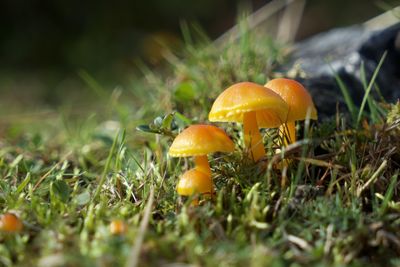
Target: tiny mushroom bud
(253,105)
(195,182)
(198,141)
(299,101)
(118,227)
(10,223)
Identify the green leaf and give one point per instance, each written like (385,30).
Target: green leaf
(106,139)
(22,185)
(157,123)
(146,129)
(16,161)
(185,92)
(167,121)
(185,120)
(83,198)
(61,190)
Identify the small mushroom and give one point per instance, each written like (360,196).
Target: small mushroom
(253,105)
(198,141)
(300,105)
(118,227)
(195,182)
(10,223)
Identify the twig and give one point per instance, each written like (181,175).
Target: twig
(290,21)
(328,242)
(253,20)
(301,243)
(373,178)
(135,252)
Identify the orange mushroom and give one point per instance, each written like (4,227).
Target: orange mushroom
(118,227)
(253,105)
(195,182)
(198,141)
(300,105)
(10,223)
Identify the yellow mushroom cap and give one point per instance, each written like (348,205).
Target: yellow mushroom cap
(197,140)
(230,106)
(194,182)
(296,96)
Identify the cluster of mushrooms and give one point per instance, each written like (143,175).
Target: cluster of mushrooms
(278,104)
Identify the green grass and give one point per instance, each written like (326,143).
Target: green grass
(69,175)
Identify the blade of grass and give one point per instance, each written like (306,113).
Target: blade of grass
(24,183)
(389,193)
(106,167)
(186,35)
(353,169)
(304,151)
(370,101)
(92,83)
(51,170)
(368,90)
(320,163)
(201,35)
(346,94)
(379,92)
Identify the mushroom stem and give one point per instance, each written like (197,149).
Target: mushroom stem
(287,131)
(252,137)
(202,164)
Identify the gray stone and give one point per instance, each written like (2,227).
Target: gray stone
(344,50)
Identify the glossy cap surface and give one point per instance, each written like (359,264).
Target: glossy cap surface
(194,182)
(230,106)
(296,96)
(197,140)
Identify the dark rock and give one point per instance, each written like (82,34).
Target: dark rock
(344,50)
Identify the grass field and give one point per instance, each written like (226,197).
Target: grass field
(69,173)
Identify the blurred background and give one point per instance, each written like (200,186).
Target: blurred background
(46,45)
